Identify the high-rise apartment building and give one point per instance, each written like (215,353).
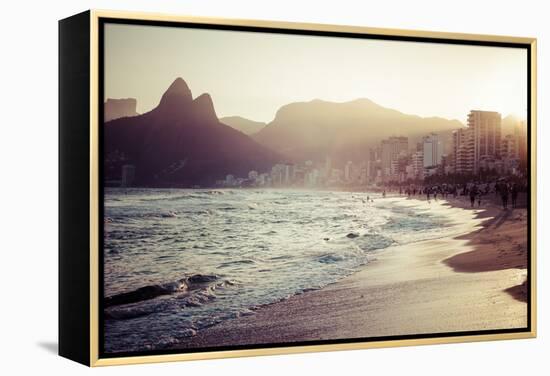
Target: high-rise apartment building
(463,151)
(432,149)
(486,128)
(390,150)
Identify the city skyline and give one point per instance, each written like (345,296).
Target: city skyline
(417,78)
(481,146)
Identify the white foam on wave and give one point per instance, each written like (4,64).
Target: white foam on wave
(291,242)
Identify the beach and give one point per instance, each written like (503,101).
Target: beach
(467,282)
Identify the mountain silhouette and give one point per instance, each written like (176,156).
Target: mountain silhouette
(181,143)
(244,125)
(117,108)
(343,131)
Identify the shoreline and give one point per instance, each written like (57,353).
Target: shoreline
(473,281)
(500,244)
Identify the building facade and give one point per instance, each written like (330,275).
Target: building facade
(486,128)
(463,151)
(432,149)
(390,151)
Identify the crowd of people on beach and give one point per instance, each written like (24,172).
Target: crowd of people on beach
(505,191)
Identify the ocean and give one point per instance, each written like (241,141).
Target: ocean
(177,261)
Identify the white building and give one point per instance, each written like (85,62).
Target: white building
(277,174)
(264,180)
(253,175)
(463,151)
(230,180)
(432,149)
(128,175)
(348,172)
(390,150)
(312,178)
(486,128)
(417,164)
(288,173)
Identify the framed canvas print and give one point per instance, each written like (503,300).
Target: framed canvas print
(235,188)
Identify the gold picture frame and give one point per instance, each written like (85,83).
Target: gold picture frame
(85,348)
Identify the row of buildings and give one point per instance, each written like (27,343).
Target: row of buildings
(480,146)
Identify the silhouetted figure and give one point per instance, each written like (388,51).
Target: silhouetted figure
(504,195)
(515,192)
(384,193)
(473,193)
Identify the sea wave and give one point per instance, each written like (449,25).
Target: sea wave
(190,291)
(254,247)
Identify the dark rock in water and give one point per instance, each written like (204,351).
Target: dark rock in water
(352,235)
(189,332)
(124,314)
(153,291)
(330,259)
(326,239)
(202,278)
(144,293)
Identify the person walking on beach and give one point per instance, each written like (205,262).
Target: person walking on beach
(504,195)
(473,194)
(515,192)
(384,193)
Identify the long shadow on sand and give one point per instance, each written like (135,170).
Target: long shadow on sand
(500,244)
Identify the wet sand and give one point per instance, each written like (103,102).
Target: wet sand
(500,244)
(470,282)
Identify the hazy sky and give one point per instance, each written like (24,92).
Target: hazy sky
(254,74)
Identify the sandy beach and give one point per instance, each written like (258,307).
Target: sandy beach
(468,282)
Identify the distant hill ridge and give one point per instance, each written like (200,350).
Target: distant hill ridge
(244,125)
(314,129)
